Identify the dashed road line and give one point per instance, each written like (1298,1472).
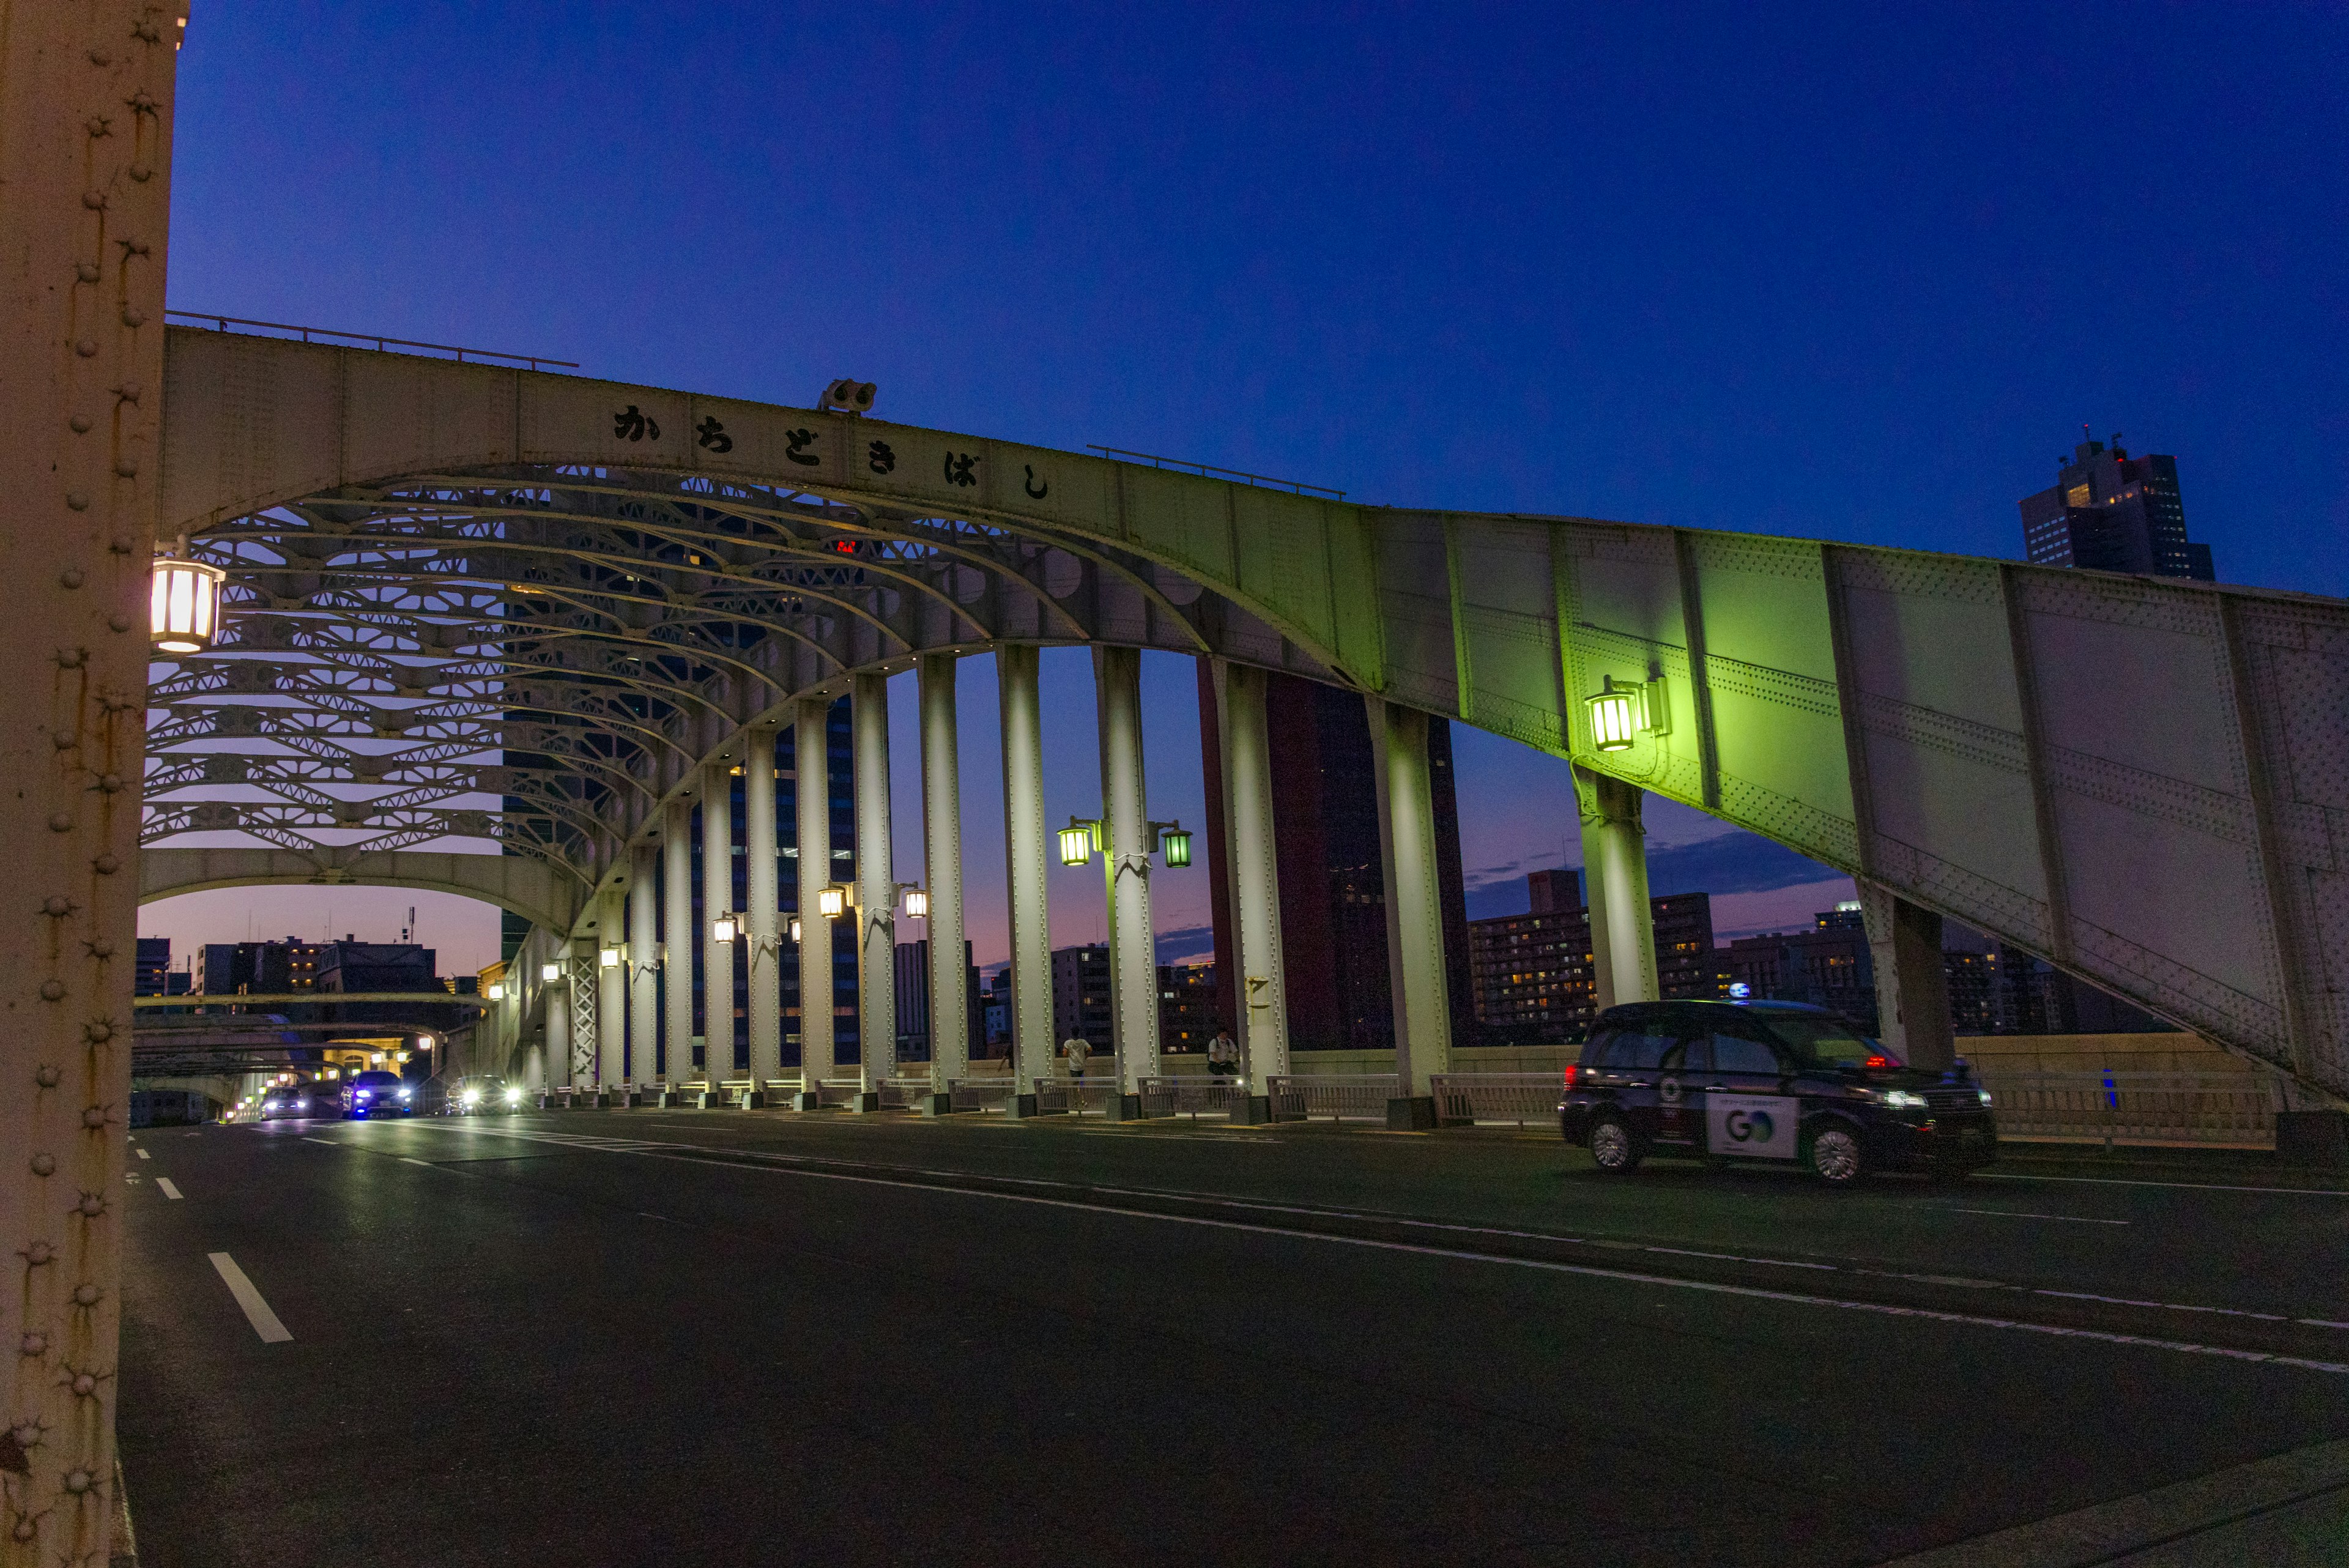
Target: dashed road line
(2182,1185)
(2027,1214)
(425,1163)
(169,1191)
(328,1142)
(144,1155)
(256,1310)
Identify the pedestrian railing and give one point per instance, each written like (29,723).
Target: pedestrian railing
(981,1094)
(1526,1099)
(1075,1096)
(1341,1096)
(1192,1097)
(2222,1110)
(905,1094)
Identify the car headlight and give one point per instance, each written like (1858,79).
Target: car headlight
(472,1097)
(514,1096)
(1985,1095)
(1902,1099)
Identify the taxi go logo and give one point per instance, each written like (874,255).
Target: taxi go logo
(1749,1127)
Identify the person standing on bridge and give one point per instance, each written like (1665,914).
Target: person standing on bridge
(1076,1049)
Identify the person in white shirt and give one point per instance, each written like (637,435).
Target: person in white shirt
(1223,1056)
(1076,1049)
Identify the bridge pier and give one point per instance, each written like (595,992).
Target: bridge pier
(942,870)
(554,1003)
(1127,845)
(876,890)
(1912,988)
(677,945)
(1423,1012)
(1252,873)
(1016,668)
(717,956)
(811,788)
(761,911)
(1614,878)
(611,990)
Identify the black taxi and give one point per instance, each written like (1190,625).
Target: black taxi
(1767,1080)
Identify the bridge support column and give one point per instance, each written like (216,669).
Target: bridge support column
(579,1056)
(677,944)
(717,956)
(555,1007)
(942,870)
(877,890)
(1127,845)
(1252,871)
(1016,670)
(611,989)
(763,901)
(644,963)
(1615,884)
(1423,1008)
(812,787)
(1912,988)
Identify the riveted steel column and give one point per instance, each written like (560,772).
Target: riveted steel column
(717,956)
(611,988)
(942,871)
(1423,1011)
(676,942)
(1128,843)
(85,161)
(1913,986)
(1016,670)
(554,1000)
(761,919)
(812,787)
(1253,872)
(1615,884)
(643,963)
(876,886)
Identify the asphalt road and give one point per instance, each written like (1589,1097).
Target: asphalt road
(639,1337)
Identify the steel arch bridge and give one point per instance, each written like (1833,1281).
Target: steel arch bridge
(471,602)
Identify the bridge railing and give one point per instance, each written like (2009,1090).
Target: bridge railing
(1526,1099)
(1341,1096)
(987,1094)
(1192,1096)
(1075,1096)
(2226,1110)
(905,1094)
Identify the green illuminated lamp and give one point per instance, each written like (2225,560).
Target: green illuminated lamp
(1076,843)
(1614,717)
(1175,845)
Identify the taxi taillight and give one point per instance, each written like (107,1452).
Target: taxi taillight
(1878,1062)
(1573,1074)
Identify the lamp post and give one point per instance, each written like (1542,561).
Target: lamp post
(183,603)
(1084,836)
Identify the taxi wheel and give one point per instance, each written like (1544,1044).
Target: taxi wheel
(1835,1155)
(1614,1147)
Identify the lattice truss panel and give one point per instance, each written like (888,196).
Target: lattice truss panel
(533,658)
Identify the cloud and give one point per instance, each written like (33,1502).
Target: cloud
(1186,942)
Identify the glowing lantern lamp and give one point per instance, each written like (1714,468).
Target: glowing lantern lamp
(1614,718)
(185,610)
(795,928)
(1175,845)
(918,904)
(831,902)
(497,992)
(1076,844)
(609,958)
(721,929)
(550,972)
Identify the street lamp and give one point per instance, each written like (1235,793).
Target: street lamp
(184,607)
(1614,716)
(918,904)
(1173,843)
(550,972)
(722,928)
(832,901)
(795,928)
(1077,840)
(497,992)
(609,958)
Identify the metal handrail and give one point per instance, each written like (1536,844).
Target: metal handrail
(1205,468)
(223,323)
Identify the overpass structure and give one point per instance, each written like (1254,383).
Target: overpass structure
(542,616)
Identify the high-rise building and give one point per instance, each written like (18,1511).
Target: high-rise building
(1186,1006)
(1830,966)
(2113,513)
(1334,923)
(153,970)
(913,985)
(1533,979)
(1080,996)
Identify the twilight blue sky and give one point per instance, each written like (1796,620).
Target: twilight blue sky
(1858,272)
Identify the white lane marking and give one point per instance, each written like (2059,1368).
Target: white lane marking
(328,1141)
(169,1191)
(619,1146)
(144,1155)
(256,1310)
(2183,1186)
(2027,1214)
(425,1163)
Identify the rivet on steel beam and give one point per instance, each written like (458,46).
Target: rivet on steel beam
(45,1164)
(118,622)
(46,1075)
(63,742)
(79,424)
(91,1205)
(86,271)
(77,1482)
(69,657)
(37,1253)
(77,500)
(101,949)
(86,1295)
(106,865)
(120,544)
(53,991)
(129,391)
(142,174)
(97,125)
(58,906)
(85,1384)
(128,467)
(133,317)
(98,57)
(60,823)
(112,783)
(93,1116)
(70,577)
(94,200)
(87,348)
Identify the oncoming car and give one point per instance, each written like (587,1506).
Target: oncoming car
(1771,1081)
(284,1100)
(379,1094)
(483,1095)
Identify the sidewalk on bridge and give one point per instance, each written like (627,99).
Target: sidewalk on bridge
(2289,1511)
